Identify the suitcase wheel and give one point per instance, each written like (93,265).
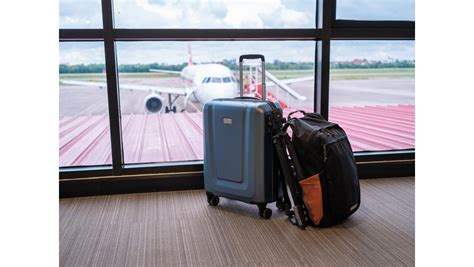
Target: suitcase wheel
(280,205)
(264,212)
(212,200)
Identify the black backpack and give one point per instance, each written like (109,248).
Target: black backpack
(318,168)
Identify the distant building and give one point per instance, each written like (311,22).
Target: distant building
(340,62)
(360,61)
(389,60)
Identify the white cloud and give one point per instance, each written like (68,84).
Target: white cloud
(176,52)
(211,14)
(214,14)
(80,14)
(376,10)
(265,14)
(167,11)
(73,21)
(81,53)
(372,50)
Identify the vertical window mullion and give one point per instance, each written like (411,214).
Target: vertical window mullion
(322,56)
(112,87)
(324,81)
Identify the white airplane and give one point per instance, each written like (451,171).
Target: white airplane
(203,83)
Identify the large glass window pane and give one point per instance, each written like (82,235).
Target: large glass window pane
(84,137)
(154,74)
(215,14)
(372,93)
(80,14)
(376,9)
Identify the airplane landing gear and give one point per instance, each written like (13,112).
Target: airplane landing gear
(168,110)
(170,107)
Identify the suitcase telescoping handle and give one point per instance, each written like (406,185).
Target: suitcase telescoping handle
(241,70)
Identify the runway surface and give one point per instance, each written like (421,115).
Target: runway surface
(86,100)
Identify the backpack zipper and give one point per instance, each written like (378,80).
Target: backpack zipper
(325,153)
(329,143)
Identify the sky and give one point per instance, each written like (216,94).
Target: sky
(376,9)
(227,14)
(176,52)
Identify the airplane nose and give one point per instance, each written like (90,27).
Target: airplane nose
(234,90)
(227,92)
(211,93)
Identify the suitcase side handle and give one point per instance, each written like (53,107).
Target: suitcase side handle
(241,70)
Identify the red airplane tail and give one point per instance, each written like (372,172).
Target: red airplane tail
(190,55)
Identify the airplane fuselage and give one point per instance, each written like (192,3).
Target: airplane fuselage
(206,82)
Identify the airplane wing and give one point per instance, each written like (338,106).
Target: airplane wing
(299,79)
(85,83)
(138,87)
(165,71)
(293,80)
(283,84)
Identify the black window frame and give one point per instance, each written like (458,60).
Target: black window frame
(327,28)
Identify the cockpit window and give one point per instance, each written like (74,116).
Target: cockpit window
(216,80)
(219,80)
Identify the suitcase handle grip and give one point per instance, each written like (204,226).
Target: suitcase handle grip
(241,70)
(251,56)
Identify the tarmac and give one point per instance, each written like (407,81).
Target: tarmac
(377,114)
(86,100)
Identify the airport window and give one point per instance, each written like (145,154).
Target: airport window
(223,14)
(152,126)
(376,9)
(80,14)
(159,134)
(372,93)
(84,135)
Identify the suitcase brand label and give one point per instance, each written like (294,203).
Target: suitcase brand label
(227,121)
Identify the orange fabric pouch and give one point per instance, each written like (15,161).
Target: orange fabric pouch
(312,197)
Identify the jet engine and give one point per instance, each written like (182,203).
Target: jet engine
(153,103)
